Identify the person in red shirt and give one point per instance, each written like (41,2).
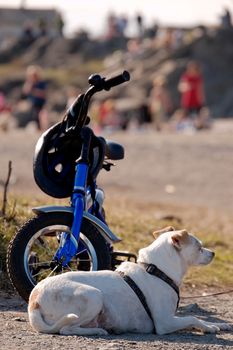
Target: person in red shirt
(191,87)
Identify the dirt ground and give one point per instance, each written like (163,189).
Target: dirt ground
(17,334)
(195,170)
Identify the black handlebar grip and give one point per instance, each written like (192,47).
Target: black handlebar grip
(117,80)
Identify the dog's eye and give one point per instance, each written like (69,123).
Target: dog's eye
(200,249)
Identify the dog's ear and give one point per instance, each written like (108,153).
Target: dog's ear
(163,230)
(179,237)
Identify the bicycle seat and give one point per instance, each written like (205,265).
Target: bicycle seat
(114,151)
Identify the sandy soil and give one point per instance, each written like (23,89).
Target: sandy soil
(194,170)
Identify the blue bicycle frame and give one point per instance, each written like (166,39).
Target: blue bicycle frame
(69,242)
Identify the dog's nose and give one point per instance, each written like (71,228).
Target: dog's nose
(213,254)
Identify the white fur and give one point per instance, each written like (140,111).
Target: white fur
(95,303)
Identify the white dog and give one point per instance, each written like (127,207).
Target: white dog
(95,303)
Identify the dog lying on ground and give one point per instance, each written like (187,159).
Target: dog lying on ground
(96,303)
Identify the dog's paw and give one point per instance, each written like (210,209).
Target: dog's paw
(211,328)
(101,331)
(225,326)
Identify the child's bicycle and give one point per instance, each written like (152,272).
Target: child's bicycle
(67,161)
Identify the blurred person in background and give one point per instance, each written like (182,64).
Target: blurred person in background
(34,89)
(140,25)
(191,87)
(59,23)
(144,117)
(42,27)
(108,115)
(28,35)
(160,102)
(226,19)
(4,107)
(6,119)
(122,23)
(112,30)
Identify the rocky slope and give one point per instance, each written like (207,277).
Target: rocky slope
(212,48)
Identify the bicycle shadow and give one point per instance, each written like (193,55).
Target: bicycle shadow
(12,302)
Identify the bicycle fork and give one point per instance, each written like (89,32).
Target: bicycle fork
(69,241)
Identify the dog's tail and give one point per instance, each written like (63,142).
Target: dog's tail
(40,325)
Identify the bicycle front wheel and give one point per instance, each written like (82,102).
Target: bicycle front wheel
(31,250)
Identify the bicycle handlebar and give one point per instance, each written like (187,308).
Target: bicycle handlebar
(78,110)
(117,80)
(99,83)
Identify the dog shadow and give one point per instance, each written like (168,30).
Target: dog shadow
(184,336)
(196,310)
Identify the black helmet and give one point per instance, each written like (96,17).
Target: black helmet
(54,160)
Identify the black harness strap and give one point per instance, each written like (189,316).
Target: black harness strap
(137,291)
(155,271)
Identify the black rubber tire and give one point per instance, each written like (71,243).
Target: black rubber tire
(16,249)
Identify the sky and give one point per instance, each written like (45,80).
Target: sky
(90,14)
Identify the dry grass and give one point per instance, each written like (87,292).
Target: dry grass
(134,223)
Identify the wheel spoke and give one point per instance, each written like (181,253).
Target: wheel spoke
(81,251)
(46,246)
(55,268)
(68,267)
(40,263)
(38,273)
(79,260)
